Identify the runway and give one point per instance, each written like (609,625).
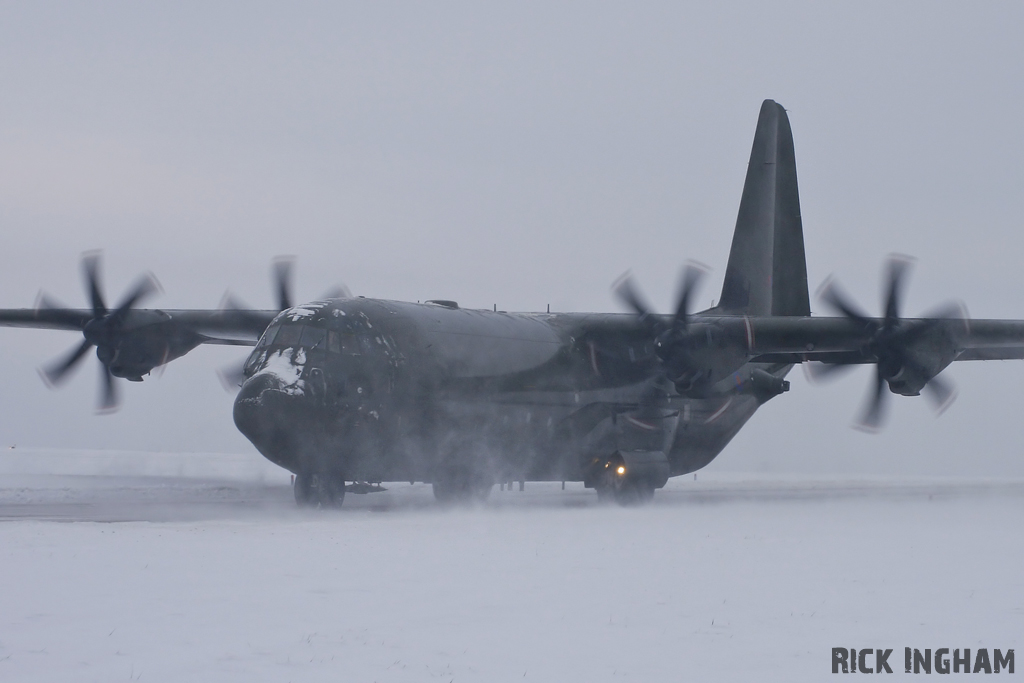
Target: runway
(148,498)
(172,567)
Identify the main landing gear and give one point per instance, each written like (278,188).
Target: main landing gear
(317,490)
(625,492)
(616,483)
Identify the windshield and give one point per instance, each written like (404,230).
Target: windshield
(289,335)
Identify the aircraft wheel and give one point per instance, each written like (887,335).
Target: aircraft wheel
(318,490)
(331,491)
(305,495)
(443,491)
(625,493)
(635,494)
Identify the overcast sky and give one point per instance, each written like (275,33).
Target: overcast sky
(512,153)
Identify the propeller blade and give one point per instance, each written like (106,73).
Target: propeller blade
(898,266)
(109,398)
(283,280)
(232,376)
(874,412)
(816,371)
(232,308)
(893,343)
(50,310)
(55,373)
(831,294)
(941,392)
(44,302)
(230,302)
(91,270)
(627,293)
(951,310)
(338,292)
(693,273)
(145,287)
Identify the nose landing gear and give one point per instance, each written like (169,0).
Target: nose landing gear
(319,490)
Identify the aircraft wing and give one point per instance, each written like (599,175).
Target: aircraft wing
(50,319)
(246,324)
(994,340)
(845,341)
(994,353)
(131,342)
(831,340)
(219,326)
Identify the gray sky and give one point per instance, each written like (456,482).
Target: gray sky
(519,154)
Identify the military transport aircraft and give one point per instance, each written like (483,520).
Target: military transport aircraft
(367,391)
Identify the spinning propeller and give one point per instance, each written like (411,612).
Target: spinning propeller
(233,376)
(670,339)
(892,342)
(282,269)
(104,331)
(281,274)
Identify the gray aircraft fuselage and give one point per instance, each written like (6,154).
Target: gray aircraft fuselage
(371,390)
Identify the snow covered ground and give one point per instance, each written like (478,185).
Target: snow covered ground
(170,567)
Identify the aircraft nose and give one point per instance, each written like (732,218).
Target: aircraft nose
(280,421)
(256,385)
(254,416)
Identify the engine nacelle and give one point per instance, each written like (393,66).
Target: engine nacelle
(908,372)
(149,340)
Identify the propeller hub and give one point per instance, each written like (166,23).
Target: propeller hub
(672,341)
(894,347)
(103,331)
(890,366)
(97,331)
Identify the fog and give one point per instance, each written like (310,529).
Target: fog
(519,155)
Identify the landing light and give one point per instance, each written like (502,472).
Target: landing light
(621,470)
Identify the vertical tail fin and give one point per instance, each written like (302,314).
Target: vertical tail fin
(767,271)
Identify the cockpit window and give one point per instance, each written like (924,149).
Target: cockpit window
(288,335)
(342,342)
(268,337)
(313,338)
